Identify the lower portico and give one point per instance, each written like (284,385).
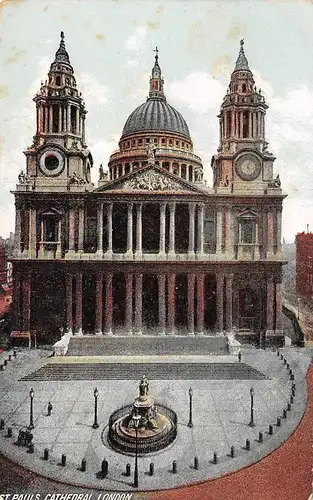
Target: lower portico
(168,299)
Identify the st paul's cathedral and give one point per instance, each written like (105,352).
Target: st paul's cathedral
(152,250)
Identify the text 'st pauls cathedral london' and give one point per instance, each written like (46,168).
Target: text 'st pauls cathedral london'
(151,250)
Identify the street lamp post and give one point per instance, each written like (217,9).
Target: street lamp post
(31,415)
(136,419)
(251,423)
(95,423)
(190,424)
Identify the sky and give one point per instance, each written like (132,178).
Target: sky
(111,43)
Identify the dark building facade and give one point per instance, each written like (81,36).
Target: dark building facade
(151,249)
(304,266)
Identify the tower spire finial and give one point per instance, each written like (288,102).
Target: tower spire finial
(61,54)
(242,62)
(156,54)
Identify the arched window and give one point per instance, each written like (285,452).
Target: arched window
(244,88)
(58,81)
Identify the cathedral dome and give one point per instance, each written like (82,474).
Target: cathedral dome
(156,114)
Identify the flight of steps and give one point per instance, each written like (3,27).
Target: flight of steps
(146,345)
(155,371)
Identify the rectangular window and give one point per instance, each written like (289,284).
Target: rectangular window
(247,232)
(50,229)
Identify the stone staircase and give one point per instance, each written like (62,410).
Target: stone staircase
(155,371)
(146,345)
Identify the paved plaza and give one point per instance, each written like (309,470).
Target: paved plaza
(221,413)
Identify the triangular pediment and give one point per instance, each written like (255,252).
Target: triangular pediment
(150,178)
(248,214)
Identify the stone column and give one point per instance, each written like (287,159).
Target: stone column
(18,229)
(191,246)
(278,229)
(250,125)
(100,228)
(17,313)
(68,118)
(130,229)
(191,304)
(162,228)
(233,123)
(78,304)
(50,119)
(220,302)
(270,233)
(139,230)
(64,118)
(225,126)
(83,128)
(72,224)
(108,304)
(200,303)
(81,227)
(219,230)
(110,229)
(32,249)
(172,229)
(99,302)
(129,303)
(270,305)
(69,302)
(58,253)
(26,288)
(171,304)
(241,124)
(228,231)
(162,308)
(229,303)
(77,121)
(60,120)
(254,125)
(200,229)
(138,304)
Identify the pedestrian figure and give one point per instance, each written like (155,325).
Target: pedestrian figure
(49,409)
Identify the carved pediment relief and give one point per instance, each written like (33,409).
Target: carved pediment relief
(150,179)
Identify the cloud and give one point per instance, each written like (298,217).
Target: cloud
(93,92)
(200,91)
(135,42)
(297,103)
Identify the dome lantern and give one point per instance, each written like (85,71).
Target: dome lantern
(156,80)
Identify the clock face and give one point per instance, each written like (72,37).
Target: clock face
(248,167)
(51,163)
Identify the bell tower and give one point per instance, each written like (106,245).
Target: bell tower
(58,158)
(243,161)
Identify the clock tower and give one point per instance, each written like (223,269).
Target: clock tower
(243,162)
(58,159)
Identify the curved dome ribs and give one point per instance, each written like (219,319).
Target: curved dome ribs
(155,124)
(155,115)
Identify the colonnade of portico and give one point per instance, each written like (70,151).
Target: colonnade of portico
(104,301)
(195,241)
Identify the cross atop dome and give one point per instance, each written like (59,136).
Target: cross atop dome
(242,62)
(156,80)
